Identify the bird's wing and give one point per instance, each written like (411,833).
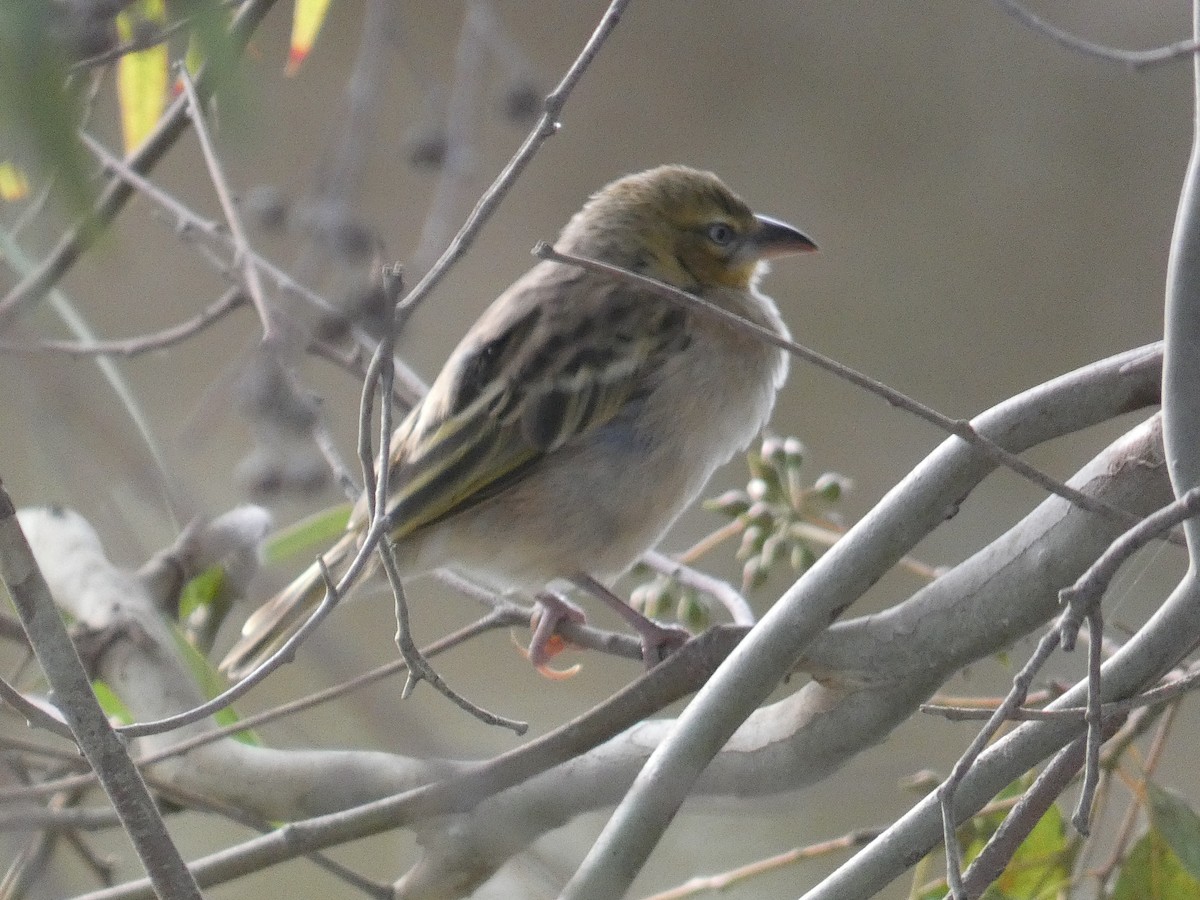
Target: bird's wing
(522,387)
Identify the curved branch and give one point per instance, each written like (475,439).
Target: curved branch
(923,500)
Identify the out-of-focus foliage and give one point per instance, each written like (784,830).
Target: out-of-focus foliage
(142,75)
(39,108)
(307,18)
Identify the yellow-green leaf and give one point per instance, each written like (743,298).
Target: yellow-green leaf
(1178,823)
(307,18)
(308,534)
(1153,872)
(142,76)
(201,590)
(212,683)
(111,703)
(13,183)
(1041,867)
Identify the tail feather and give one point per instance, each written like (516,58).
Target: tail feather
(280,617)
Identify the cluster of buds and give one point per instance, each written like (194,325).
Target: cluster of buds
(779,514)
(663,595)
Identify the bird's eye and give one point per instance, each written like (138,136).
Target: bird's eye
(721,234)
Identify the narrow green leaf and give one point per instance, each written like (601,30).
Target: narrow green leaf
(212,683)
(201,591)
(308,534)
(111,703)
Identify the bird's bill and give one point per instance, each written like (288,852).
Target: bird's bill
(775,238)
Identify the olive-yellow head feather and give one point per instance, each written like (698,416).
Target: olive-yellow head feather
(682,226)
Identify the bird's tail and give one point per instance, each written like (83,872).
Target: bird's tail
(279,618)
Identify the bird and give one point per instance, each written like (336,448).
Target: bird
(580,415)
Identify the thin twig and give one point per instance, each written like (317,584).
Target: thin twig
(1087,590)
(945,792)
(1135,59)
(80,236)
(243,256)
(34,715)
(333,458)
(285,653)
(489,622)
(233,298)
(95,737)
(960,428)
(1095,722)
(720,883)
(547,126)
(189,220)
(1155,697)
(724,592)
(1027,812)
(419,668)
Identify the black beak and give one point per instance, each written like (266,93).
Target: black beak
(775,238)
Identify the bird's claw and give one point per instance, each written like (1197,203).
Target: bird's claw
(546,643)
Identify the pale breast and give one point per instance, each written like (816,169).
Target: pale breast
(598,504)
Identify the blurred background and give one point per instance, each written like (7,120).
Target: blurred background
(992,210)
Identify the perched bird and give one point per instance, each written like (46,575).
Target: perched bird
(579,416)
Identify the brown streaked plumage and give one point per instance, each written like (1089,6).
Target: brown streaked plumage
(578,416)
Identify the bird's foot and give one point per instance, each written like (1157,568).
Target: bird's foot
(658,640)
(546,642)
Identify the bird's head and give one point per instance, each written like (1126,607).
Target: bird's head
(682,226)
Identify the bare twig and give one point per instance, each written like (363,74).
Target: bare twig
(492,621)
(1087,590)
(1135,59)
(1028,811)
(189,220)
(80,236)
(1020,690)
(96,738)
(1164,693)
(960,428)
(419,668)
(233,298)
(720,883)
(241,244)
(547,126)
(34,715)
(724,592)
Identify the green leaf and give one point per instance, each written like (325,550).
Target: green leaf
(111,703)
(212,683)
(1153,872)
(202,590)
(1178,823)
(38,110)
(314,531)
(1041,867)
